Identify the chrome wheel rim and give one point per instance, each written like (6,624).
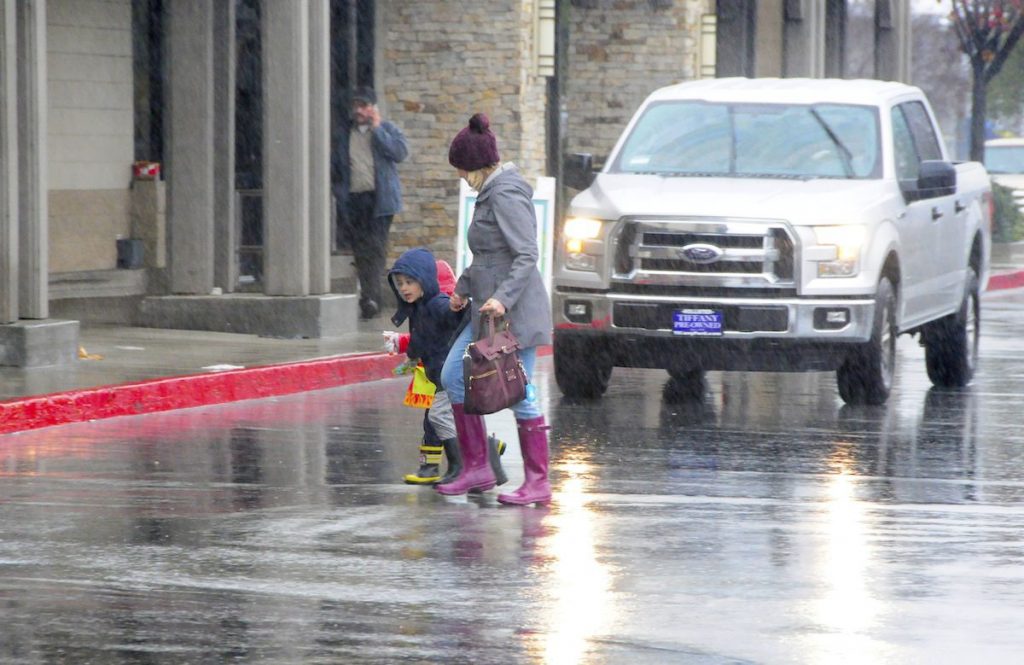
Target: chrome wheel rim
(887,342)
(973,330)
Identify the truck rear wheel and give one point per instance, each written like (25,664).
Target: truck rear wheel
(685,384)
(582,368)
(866,375)
(951,343)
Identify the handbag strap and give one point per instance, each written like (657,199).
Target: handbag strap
(488,329)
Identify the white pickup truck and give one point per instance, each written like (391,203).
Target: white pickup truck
(773,225)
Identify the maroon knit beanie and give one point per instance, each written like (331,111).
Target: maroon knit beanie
(475,146)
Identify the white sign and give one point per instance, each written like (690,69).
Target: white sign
(543,207)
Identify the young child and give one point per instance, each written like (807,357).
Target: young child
(416,278)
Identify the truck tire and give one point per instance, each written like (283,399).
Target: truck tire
(951,343)
(582,369)
(866,375)
(688,384)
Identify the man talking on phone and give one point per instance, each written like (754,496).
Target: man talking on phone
(370,193)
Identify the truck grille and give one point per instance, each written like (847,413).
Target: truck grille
(670,247)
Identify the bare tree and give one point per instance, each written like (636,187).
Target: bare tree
(988,32)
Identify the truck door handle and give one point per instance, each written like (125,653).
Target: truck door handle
(959,207)
(936,213)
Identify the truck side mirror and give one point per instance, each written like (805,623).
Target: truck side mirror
(936,178)
(578,170)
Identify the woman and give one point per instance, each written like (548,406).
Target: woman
(504,277)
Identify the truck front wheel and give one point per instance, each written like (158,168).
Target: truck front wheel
(582,368)
(951,343)
(866,375)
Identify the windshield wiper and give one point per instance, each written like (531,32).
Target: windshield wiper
(681,174)
(845,156)
(775,176)
(724,174)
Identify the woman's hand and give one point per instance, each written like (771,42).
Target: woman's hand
(493,307)
(457,303)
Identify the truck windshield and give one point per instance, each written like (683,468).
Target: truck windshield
(689,138)
(1004,159)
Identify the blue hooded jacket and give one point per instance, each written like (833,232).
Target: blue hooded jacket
(432,324)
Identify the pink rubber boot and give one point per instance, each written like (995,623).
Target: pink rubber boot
(533,441)
(476,474)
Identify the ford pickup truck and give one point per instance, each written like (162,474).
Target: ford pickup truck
(773,225)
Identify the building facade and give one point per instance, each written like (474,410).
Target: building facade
(239,103)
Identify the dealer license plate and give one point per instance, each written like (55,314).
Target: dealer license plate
(697,322)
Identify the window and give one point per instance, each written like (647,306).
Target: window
(1004,159)
(921,129)
(691,138)
(903,144)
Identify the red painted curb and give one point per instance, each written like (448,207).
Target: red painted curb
(182,392)
(1010,280)
(192,390)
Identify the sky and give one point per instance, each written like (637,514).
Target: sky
(942,7)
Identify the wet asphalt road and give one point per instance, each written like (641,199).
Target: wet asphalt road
(767,523)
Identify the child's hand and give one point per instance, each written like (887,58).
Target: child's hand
(457,302)
(390,341)
(407,367)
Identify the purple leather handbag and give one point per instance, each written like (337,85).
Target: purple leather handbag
(493,373)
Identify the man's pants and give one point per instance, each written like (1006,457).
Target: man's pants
(369,240)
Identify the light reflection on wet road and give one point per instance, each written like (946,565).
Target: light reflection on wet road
(768,523)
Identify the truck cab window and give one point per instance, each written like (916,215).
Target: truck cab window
(921,129)
(907,163)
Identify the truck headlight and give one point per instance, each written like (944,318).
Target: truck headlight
(575,233)
(847,241)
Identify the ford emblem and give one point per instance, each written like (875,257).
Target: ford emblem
(700,253)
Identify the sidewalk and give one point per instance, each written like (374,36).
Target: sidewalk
(130,371)
(1007,264)
(141,370)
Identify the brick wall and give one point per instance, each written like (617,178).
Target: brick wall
(442,61)
(619,52)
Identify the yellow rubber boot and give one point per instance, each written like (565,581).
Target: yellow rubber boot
(430,466)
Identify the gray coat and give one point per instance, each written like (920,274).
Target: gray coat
(503,239)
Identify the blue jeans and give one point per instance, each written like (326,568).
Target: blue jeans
(455,386)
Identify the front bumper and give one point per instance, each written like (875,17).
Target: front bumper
(771,334)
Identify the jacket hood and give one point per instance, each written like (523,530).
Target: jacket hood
(419,264)
(508,177)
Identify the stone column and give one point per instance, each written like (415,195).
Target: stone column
(33,213)
(804,38)
(23,213)
(190,150)
(286,157)
(903,37)
(9,247)
(892,40)
(768,40)
(225,225)
(735,47)
(319,147)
